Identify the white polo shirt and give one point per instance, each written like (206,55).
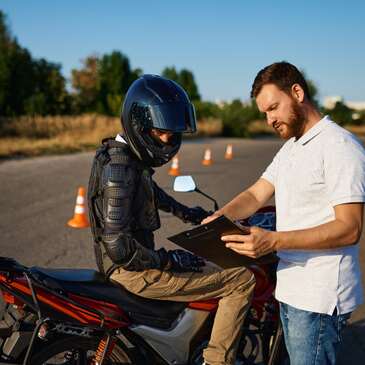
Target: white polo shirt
(323,168)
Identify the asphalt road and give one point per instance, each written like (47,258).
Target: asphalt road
(37,198)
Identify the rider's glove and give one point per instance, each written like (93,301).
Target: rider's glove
(184,261)
(196,215)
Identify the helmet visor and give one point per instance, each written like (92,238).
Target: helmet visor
(174,117)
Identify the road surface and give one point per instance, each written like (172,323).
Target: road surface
(37,198)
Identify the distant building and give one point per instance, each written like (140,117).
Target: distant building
(356,105)
(330,102)
(221,103)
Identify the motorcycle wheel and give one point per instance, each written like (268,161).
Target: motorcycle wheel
(78,351)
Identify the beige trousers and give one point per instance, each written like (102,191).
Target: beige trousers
(234,287)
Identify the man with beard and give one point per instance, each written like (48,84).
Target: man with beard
(318,178)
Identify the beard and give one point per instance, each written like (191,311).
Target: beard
(295,124)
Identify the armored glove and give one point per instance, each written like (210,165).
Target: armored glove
(184,261)
(196,215)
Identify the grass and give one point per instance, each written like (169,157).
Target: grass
(27,136)
(359,130)
(34,136)
(260,128)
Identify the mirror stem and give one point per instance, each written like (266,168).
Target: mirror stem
(207,196)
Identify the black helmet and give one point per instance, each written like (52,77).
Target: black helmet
(156,102)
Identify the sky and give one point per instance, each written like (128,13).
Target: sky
(224,43)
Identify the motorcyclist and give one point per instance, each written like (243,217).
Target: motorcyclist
(123,204)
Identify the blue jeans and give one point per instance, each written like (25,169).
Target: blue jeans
(311,338)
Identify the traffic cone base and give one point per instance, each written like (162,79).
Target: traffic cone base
(207,162)
(79,219)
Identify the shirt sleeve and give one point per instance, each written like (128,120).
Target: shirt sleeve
(344,168)
(271,171)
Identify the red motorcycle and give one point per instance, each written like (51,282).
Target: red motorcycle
(76,316)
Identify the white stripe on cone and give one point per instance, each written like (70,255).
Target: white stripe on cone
(80,200)
(79,209)
(208,154)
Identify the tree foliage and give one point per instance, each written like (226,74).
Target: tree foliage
(27,85)
(206,109)
(85,84)
(102,82)
(185,78)
(236,117)
(312,89)
(341,113)
(37,87)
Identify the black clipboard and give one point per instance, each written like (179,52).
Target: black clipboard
(205,241)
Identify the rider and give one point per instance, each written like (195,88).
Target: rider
(124,202)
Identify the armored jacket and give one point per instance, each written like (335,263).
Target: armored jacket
(123,208)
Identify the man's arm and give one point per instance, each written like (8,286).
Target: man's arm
(247,202)
(117,237)
(344,230)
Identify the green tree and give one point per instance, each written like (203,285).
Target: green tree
(171,73)
(85,83)
(101,84)
(49,95)
(20,82)
(206,109)
(27,85)
(185,78)
(234,120)
(5,42)
(115,76)
(187,81)
(341,113)
(312,89)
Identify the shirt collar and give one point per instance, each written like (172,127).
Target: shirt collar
(119,138)
(314,131)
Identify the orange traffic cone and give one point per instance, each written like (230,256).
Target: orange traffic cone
(207,160)
(79,219)
(174,169)
(229,152)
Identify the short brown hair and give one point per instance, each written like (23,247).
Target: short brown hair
(282,74)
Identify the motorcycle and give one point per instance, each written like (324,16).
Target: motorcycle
(76,316)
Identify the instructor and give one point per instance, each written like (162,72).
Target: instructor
(318,178)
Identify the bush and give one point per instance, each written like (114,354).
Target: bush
(236,118)
(206,109)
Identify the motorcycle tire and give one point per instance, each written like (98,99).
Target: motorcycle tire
(282,356)
(2,306)
(73,350)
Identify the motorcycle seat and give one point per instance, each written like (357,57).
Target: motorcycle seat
(92,284)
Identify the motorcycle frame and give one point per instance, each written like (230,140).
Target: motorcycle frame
(20,285)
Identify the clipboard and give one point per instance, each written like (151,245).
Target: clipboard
(205,241)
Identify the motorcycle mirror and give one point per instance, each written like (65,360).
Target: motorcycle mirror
(184,184)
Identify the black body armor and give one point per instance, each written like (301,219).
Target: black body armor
(123,208)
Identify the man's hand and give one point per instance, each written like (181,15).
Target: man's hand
(215,215)
(256,244)
(184,261)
